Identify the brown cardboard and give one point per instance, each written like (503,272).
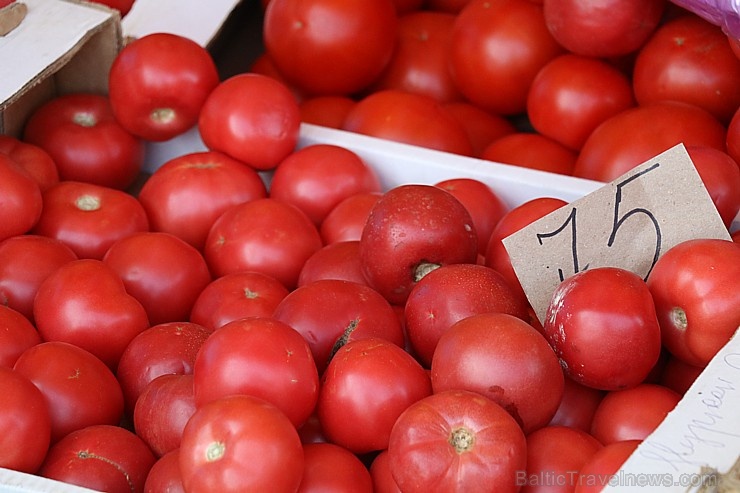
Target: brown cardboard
(11,16)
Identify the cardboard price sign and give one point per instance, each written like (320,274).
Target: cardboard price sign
(628,223)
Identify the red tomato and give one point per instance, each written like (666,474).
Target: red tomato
(627,347)
(158,83)
(85,303)
(241,434)
(531,150)
(329,467)
(163,349)
(187,194)
(380,471)
(485,353)
(163,272)
(650,129)
(83,137)
(263,235)
(327,111)
(252,118)
(237,295)
(500,44)
(264,65)
(27,260)
(577,407)
(678,375)
(602,29)
(409,118)
(688,59)
(340,260)
(20,199)
(406,6)
(573,94)
(123,6)
(597,472)
(449,294)
(165,475)
(482,126)
(347,219)
(420,61)
(121,460)
(17,335)
(733,137)
(24,423)
(36,161)
(360,417)
(89,218)
(452,6)
(78,388)
(696,290)
(317,177)
(411,230)
(330,313)
(456,441)
(328,46)
(721,177)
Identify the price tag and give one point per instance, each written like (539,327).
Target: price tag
(628,223)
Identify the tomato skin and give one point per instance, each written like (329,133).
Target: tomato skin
(83,137)
(380,471)
(20,199)
(531,150)
(327,111)
(678,375)
(123,6)
(240,443)
(456,441)
(696,289)
(18,334)
(252,118)
(158,83)
(598,471)
(329,467)
(339,260)
(733,137)
(36,161)
(619,302)
(577,407)
(721,177)
(482,126)
(347,219)
(165,475)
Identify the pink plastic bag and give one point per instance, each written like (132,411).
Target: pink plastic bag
(723,13)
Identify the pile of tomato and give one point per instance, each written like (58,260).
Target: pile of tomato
(261,317)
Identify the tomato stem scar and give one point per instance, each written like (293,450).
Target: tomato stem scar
(462,440)
(215,451)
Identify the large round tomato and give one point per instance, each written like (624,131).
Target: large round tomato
(20,199)
(603,465)
(340,260)
(721,177)
(158,83)
(165,475)
(18,334)
(347,219)
(578,405)
(36,161)
(329,467)
(531,150)
(329,46)
(482,126)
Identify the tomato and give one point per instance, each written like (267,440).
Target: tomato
(678,375)
(331,312)
(327,111)
(650,129)
(78,388)
(35,160)
(237,295)
(452,6)
(577,407)
(347,219)
(165,475)
(407,6)
(27,260)
(531,150)
(263,64)
(696,290)
(420,61)
(158,83)
(627,346)
(688,59)
(721,177)
(263,235)
(360,417)
(482,126)
(20,199)
(598,471)
(413,229)
(162,410)
(380,472)
(602,29)
(24,422)
(317,177)
(163,349)
(505,359)
(555,454)
(329,467)
(89,218)
(252,118)
(449,294)
(409,118)
(499,44)
(456,441)
(17,335)
(186,195)
(83,137)
(120,459)
(340,260)
(240,443)
(85,303)
(328,46)
(573,94)
(733,137)
(123,6)
(162,271)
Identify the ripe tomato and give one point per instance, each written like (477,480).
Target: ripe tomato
(327,111)
(360,417)
(18,334)
(123,6)
(245,434)
(602,29)
(688,59)
(733,137)
(598,471)
(573,94)
(165,475)
(83,137)
(380,471)
(187,194)
(577,407)
(20,199)
(500,44)
(89,218)
(721,177)
(329,467)
(696,290)
(158,83)
(340,260)
(678,375)
(456,441)
(328,46)
(347,219)
(452,6)
(482,126)
(36,161)
(411,230)
(252,118)
(531,150)
(628,343)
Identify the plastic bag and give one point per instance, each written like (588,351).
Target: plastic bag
(723,13)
